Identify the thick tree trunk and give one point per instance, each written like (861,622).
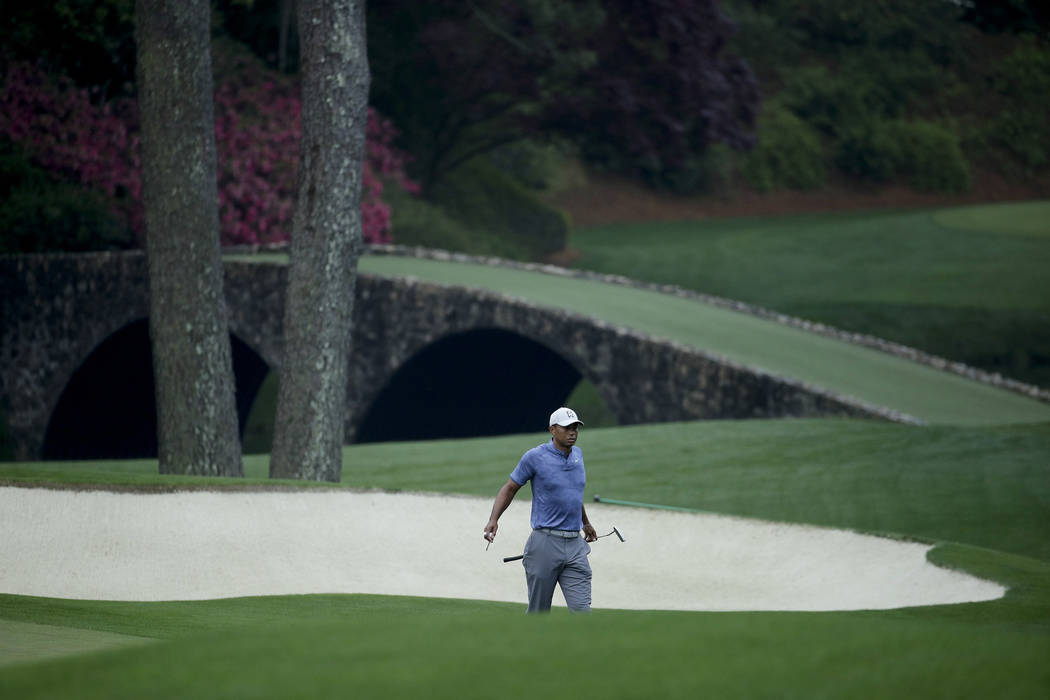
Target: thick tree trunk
(196,414)
(326,242)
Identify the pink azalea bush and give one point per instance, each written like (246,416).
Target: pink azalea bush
(76,136)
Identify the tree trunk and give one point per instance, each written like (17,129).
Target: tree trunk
(326,242)
(287,12)
(196,414)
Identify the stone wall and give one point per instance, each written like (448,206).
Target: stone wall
(55,309)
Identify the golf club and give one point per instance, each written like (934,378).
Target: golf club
(615,531)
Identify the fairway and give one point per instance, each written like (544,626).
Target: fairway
(875,377)
(1030,218)
(966,283)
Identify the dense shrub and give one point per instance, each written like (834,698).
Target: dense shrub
(868,151)
(823,100)
(484,199)
(1021,128)
(867,85)
(39,215)
(16,170)
(930,156)
(835,28)
(533,164)
(873,81)
(61,217)
(927,154)
(707,171)
(75,135)
(789,153)
(80,138)
(414,221)
(763,38)
(894,82)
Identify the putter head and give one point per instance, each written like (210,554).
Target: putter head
(619,534)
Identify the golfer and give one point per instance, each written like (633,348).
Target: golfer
(554,553)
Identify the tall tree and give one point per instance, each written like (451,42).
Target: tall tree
(326,241)
(192,363)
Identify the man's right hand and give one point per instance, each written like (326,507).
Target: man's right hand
(503,499)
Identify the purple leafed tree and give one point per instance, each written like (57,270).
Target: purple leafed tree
(639,85)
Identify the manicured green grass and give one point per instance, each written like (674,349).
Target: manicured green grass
(987,490)
(362,646)
(1031,218)
(28,641)
(968,283)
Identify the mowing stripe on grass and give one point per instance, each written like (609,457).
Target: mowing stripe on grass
(23,642)
(1028,218)
(869,375)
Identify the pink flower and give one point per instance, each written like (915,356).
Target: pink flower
(71,133)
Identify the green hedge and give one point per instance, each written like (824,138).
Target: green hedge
(930,157)
(927,154)
(415,221)
(481,198)
(1021,128)
(39,215)
(788,155)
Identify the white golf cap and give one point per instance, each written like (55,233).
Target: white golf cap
(564,416)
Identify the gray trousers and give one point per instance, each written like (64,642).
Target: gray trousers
(551,560)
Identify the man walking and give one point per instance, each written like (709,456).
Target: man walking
(554,553)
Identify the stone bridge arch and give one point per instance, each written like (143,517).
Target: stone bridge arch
(76,360)
(107,408)
(640,379)
(56,310)
(484,381)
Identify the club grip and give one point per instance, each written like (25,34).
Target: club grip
(506,559)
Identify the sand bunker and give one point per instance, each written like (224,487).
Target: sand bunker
(199,545)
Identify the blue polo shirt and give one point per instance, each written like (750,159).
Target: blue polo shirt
(557,485)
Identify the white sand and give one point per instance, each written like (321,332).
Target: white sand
(199,545)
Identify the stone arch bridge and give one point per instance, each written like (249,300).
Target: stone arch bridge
(427,361)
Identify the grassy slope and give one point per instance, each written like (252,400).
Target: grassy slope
(344,646)
(988,487)
(848,369)
(967,283)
